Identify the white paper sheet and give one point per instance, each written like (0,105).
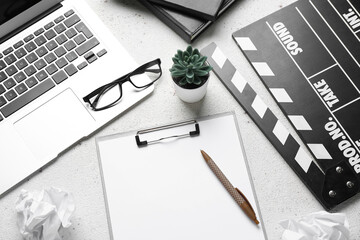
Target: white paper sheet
(166,191)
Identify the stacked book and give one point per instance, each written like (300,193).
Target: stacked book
(188,18)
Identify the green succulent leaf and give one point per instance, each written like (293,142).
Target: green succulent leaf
(175,60)
(183,81)
(186,55)
(179,66)
(189,49)
(196,52)
(180,54)
(205,68)
(178,73)
(202,60)
(197,81)
(190,74)
(197,66)
(195,58)
(201,73)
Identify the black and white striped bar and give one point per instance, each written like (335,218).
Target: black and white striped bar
(296,157)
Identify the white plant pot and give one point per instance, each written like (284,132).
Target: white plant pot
(191,95)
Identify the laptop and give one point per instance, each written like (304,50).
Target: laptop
(52,54)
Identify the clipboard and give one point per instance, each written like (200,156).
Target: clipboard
(164,190)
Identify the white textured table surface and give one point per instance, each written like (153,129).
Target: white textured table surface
(280,192)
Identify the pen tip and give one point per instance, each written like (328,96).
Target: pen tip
(204,154)
(256,221)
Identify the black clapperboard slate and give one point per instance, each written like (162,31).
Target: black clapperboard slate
(308,56)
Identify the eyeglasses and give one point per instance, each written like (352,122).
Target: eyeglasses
(110,94)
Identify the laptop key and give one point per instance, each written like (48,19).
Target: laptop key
(19,77)
(8,50)
(41,75)
(21,88)
(49,25)
(39,31)
(10,95)
(18,44)
(79,39)
(70,70)
(59,28)
(50,34)
(11,70)
(51,69)
(71,33)
(20,53)
(21,64)
(87,46)
(90,57)
(81,27)
(50,58)
(9,59)
(2,65)
(31,57)
(9,83)
(27,97)
(72,20)
(69,13)
(69,45)
(60,51)
(51,45)
(40,40)
(28,38)
(30,46)
(61,62)
(2,76)
(2,89)
(40,64)
(61,39)
(31,82)
(30,70)
(101,53)
(2,101)
(59,76)
(59,19)
(71,56)
(41,51)
(82,65)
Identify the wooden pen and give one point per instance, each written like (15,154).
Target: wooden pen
(237,195)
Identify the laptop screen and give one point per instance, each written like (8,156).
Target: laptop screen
(11,8)
(15,13)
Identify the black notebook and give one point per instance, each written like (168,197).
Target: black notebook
(186,26)
(206,9)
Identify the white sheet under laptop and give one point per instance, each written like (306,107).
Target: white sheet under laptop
(39,131)
(166,191)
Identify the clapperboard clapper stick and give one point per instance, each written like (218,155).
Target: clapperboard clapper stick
(330,186)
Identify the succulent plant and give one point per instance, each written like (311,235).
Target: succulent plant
(189,67)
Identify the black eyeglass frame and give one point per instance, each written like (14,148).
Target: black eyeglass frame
(99,92)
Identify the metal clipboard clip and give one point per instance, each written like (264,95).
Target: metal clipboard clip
(144,143)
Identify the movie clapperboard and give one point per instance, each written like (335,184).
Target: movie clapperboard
(308,56)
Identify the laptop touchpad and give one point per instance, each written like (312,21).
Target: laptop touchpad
(56,125)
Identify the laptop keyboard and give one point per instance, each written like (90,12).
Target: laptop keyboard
(44,59)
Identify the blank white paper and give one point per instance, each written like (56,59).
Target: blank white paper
(166,191)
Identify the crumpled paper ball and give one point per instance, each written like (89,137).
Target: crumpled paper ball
(317,226)
(40,215)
